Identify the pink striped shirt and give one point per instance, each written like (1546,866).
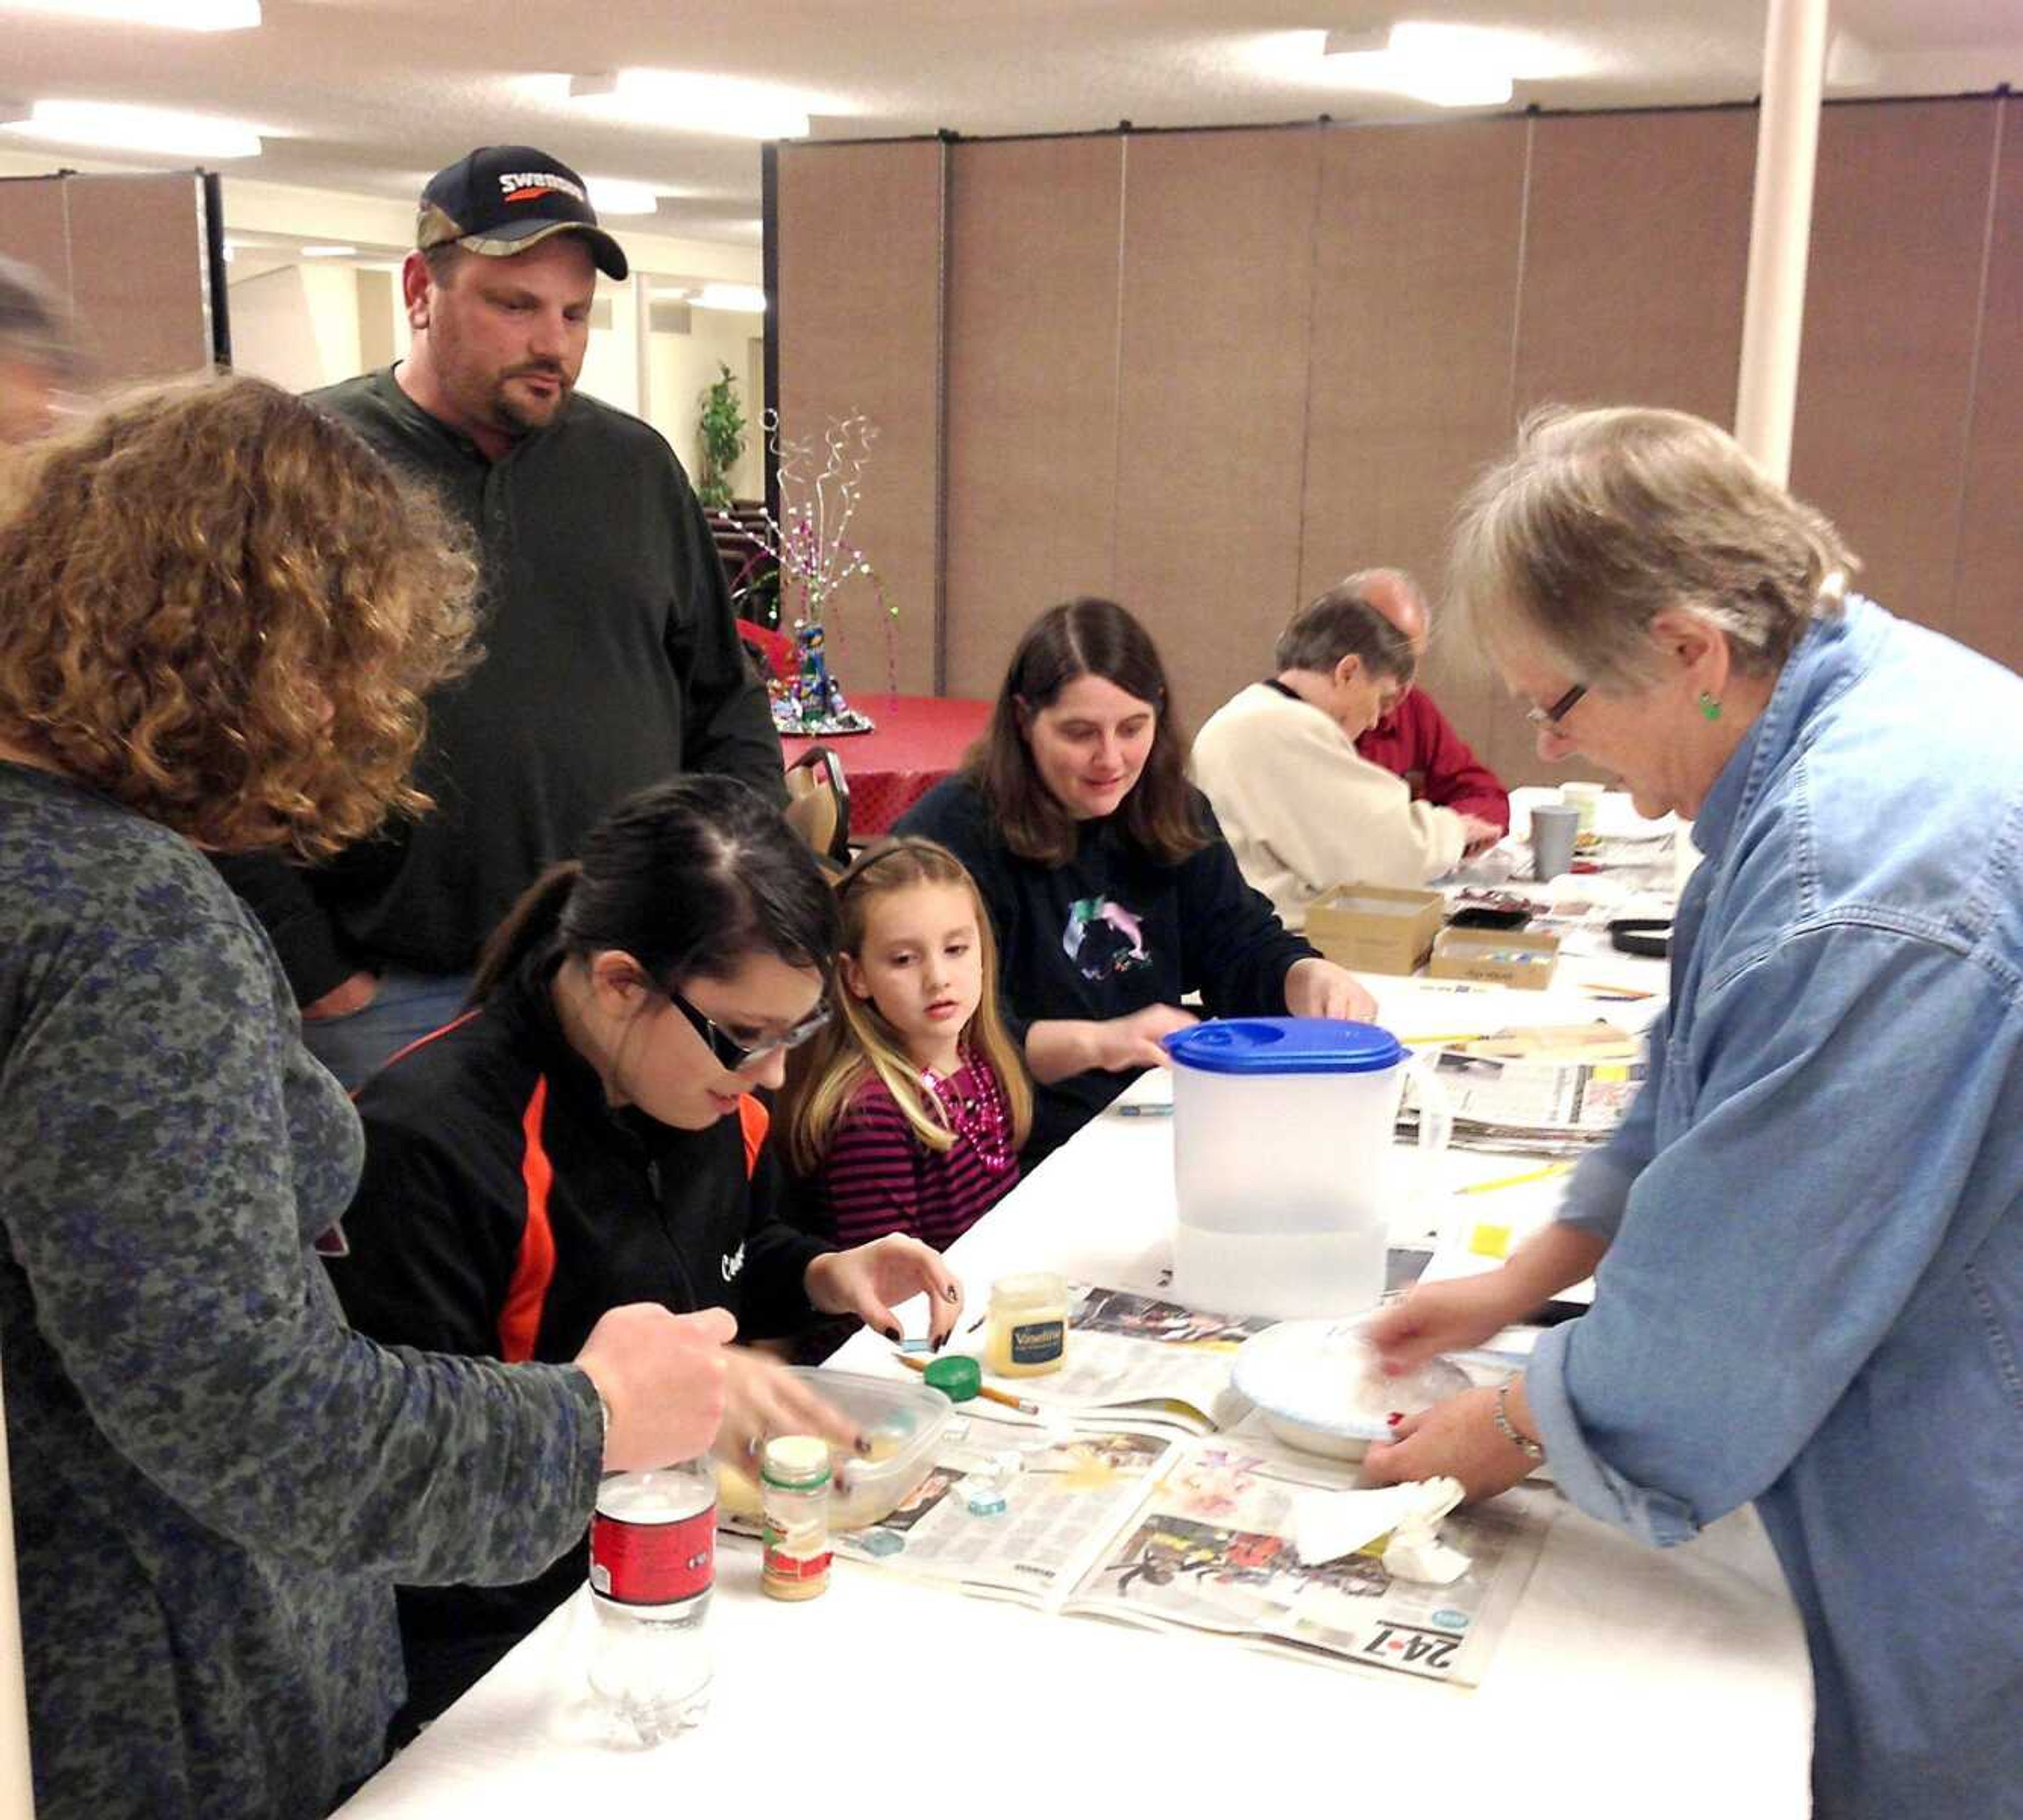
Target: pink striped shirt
(879,1178)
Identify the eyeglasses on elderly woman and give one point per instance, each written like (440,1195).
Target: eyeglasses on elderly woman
(1551,717)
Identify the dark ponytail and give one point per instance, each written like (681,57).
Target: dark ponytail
(530,926)
(688,877)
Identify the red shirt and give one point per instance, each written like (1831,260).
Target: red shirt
(1414,741)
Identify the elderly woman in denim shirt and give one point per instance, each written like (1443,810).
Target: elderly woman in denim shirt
(1809,1227)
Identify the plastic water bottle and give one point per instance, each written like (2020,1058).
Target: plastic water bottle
(652,1562)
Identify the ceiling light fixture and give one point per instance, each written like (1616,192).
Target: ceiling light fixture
(609,196)
(116,128)
(1446,66)
(748,297)
(681,102)
(345,252)
(170,15)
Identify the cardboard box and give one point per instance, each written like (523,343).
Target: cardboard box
(1375,928)
(1505,956)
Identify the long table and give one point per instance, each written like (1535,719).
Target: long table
(1629,1680)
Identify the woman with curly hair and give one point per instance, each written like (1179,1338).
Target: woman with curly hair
(218,612)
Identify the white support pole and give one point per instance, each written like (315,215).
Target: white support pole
(17,1795)
(642,343)
(1773,310)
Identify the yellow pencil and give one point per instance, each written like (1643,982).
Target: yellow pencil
(1448,1036)
(1483,1188)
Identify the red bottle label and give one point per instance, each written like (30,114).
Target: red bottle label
(653,1563)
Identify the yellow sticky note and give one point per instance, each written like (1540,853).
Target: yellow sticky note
(1489,1241)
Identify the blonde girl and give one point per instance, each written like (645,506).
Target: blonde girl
(907,1112)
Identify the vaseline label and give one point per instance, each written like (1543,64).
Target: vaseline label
(1038,1343)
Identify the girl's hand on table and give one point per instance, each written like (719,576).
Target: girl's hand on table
(1433,1318)
(1317,988)
(1456,1439)
(868,1280)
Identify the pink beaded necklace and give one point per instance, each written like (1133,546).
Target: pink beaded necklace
(979,1118)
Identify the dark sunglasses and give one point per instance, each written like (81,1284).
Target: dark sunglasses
(738,1056)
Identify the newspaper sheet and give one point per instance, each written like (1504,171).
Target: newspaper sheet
(1211,1550)
(1154,1360)
(1065,1493)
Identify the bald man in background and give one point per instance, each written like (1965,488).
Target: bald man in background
(1413,739)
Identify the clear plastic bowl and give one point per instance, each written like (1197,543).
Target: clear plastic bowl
(1315,1384)
(903,1420)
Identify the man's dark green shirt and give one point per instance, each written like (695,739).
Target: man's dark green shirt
(611,661)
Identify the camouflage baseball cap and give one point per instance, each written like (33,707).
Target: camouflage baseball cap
(502,199)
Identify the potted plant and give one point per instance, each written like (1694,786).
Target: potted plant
(721,427)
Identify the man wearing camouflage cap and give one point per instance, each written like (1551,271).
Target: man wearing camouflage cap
(611,658)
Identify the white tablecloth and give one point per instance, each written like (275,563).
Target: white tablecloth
(1630,1681)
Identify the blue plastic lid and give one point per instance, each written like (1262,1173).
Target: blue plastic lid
(1285,1045)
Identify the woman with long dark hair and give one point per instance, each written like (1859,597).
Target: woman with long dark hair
(586,1134)
(1112,889)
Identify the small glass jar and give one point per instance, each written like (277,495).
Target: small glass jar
(793,1488)
(1028,1334)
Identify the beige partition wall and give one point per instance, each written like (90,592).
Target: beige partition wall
(859,317)
(1416,261)
(1032,389)
(1892,313)
(1986,608)
(1217,304)
(1211,371)
(131,254)
(1636,251)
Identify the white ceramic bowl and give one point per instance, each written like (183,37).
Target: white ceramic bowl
(1315,1384)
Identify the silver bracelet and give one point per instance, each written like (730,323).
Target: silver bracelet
(1523,1443)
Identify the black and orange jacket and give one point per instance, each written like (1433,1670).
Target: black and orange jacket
(505,1206)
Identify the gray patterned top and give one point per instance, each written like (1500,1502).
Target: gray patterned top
(214,1481)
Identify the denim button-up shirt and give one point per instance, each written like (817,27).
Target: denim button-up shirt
(1811,1296)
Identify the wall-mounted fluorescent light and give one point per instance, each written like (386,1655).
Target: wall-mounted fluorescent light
(609,196)
(332,252)
(749,298)
(170,15)
(680,102)
(1446,66)
(123,128)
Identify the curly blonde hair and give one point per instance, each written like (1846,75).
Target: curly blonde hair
(220,608)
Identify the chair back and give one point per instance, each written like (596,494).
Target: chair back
(818,805)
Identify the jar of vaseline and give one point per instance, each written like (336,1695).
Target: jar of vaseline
(1029,1325)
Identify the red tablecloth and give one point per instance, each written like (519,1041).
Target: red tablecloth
(918,741)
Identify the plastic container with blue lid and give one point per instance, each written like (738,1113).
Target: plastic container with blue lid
(1284,1170)
(1286,1045)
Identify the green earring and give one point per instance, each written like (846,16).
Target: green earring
(1710,709)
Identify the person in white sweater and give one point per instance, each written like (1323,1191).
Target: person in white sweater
(1302,809)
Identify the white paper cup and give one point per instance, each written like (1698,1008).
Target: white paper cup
(1585,797)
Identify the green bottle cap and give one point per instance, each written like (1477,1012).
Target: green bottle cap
(958,1377)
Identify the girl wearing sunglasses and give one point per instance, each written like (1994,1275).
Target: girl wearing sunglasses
(586,1135)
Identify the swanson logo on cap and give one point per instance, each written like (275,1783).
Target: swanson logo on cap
(501,199)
